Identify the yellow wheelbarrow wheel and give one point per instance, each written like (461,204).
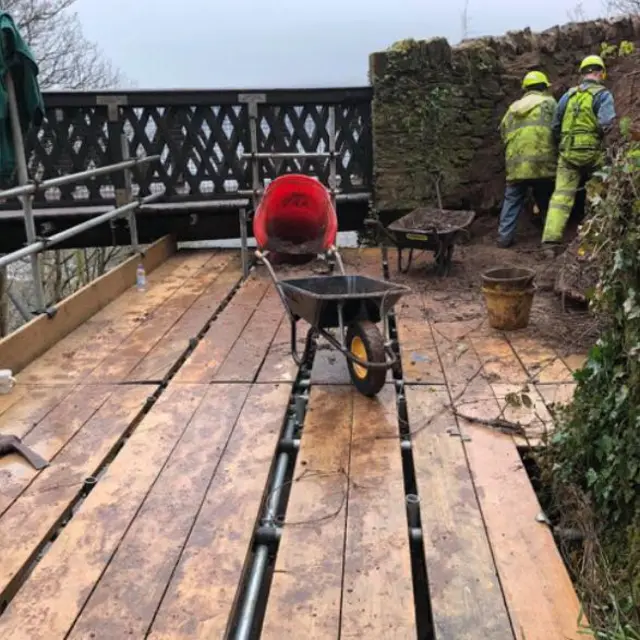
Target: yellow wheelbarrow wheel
(365,342)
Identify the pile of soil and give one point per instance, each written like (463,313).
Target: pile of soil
(577,275)
(567,328)
(427,219)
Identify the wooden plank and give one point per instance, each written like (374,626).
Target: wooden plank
(305,596)
(420,362)
(164,355)
(329,366)
(556,394)
(204,363)
(118,366)
(535,418)
(377,592)
(26,405)
(575,361)
(279,365)
(248,353)
(124,602)
(202,593)
(466,598)
(501,361)
(31,520)
(538,590)
(53,596)
(30,341)
(73,358)
(543,364)
(47,437)
(540,597)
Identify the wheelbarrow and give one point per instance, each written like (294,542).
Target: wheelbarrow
(434,230)
(349,305)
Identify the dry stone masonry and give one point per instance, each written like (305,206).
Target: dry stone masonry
(437,108)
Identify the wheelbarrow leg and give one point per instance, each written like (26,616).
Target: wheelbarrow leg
(406,269)
(300,360)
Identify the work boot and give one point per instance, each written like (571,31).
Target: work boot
(551,250)
(504,243)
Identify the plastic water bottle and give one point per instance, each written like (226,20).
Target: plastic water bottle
(141,278)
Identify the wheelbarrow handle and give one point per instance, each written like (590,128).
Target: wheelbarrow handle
(378,226)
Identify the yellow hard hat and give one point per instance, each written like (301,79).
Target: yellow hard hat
(593,61)
(533,78)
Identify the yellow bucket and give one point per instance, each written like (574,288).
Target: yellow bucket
(508,294)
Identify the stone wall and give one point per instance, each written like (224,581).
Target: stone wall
(437,109)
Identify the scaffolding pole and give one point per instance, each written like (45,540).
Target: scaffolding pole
(25,200)
(40,245)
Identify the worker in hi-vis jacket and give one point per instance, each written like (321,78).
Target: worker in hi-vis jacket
(530,152)
(585,116)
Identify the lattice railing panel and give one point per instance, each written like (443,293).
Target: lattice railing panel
(69,141)
(200,138)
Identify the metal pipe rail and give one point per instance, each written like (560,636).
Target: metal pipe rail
(33,187)
(27,188)
(45,243)
(284,155)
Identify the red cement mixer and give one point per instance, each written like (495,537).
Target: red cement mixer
(296,217)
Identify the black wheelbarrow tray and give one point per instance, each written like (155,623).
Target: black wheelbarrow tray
(427,230)
(354,304)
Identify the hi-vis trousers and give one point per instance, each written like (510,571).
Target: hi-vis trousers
(568,179)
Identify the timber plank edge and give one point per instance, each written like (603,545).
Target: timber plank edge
(23,346)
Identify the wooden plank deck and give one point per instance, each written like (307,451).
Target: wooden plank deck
(343,567)
(160,548)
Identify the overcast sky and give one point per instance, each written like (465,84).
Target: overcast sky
(287,43)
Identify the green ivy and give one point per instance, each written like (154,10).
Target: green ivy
(596,443)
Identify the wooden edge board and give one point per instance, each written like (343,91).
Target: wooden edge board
(377,593)
(306,591)
(90,344)
(541,598)
(538,591)
(30,341)
(151,333)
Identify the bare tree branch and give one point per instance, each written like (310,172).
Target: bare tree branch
(67,60)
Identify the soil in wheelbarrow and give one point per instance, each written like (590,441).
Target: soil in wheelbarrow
(438,219)
(570,329)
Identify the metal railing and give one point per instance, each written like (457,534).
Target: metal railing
(25,193)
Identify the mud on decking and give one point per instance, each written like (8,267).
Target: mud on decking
(174,403)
